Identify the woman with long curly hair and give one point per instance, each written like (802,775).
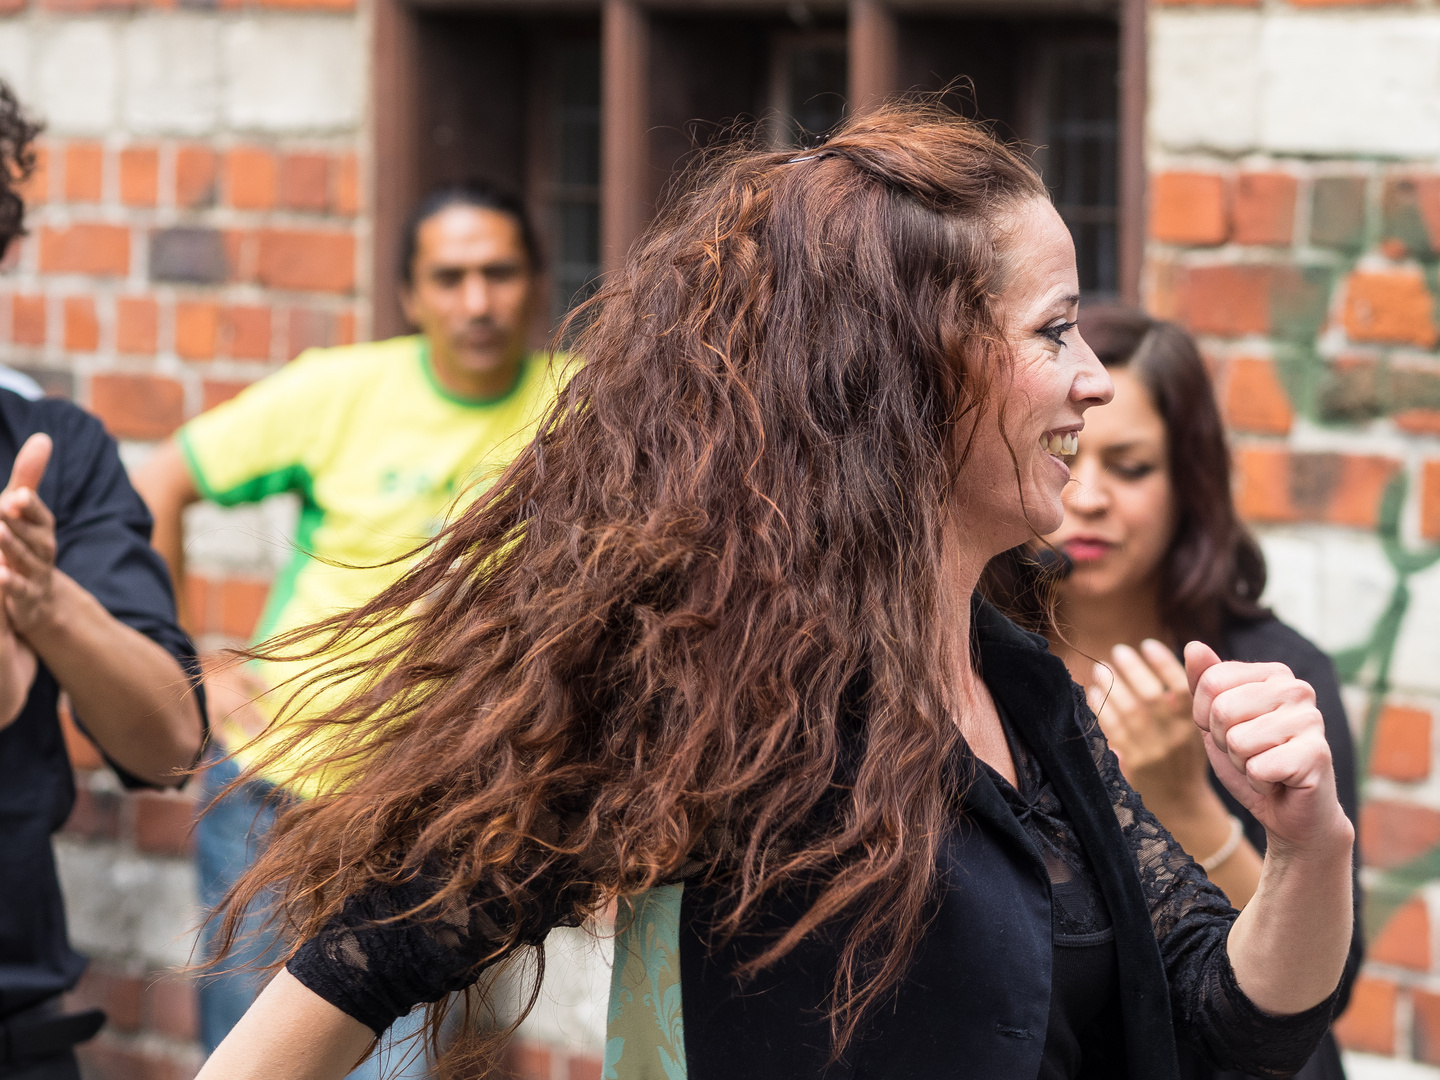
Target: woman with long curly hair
(711,650)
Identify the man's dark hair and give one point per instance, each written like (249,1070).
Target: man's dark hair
(477,193)
(17,162)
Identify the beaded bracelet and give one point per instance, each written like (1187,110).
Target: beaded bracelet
(1231,845)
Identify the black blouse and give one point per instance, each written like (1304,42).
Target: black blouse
(1019,882)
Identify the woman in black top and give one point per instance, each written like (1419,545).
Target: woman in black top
(710,648)
(1155,556)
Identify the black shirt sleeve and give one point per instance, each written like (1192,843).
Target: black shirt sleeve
(102,532)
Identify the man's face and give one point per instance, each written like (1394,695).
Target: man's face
(472,290)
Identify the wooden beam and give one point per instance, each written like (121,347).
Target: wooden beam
(874,53)
(624,128)
(394,166)
(1133,208)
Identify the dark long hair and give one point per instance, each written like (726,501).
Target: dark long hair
(1213,570)
(640,649)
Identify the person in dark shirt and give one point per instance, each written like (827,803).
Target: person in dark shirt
(1155,555)
(85,608)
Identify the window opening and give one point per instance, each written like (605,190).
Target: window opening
(575,191)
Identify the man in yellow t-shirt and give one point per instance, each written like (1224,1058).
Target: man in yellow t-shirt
(379,441)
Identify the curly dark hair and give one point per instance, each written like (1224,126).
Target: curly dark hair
(17,163)
(649,632)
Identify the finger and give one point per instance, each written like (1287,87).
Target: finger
(1221,676)
(1144,682)
(30,462)
(1199,658)
(17,589)
(1242,705)
(18,557)
(1165,664)
(1299,763)
(23,504)
(40,539)
(1121,704)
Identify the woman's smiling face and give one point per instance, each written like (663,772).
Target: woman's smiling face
(1052,378)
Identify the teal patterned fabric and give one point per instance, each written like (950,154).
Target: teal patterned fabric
(645,1030)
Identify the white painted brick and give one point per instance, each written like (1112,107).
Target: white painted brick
(1370,1067)
(1355,586)
(172,74)
(1351,84)
(17,55)
(252,541)
(125,907)
(289,73)
(77,76)
(1204,79)
(1292,586)
(1417,658)
(575,997)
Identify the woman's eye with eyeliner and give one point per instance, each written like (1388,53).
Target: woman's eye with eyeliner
(1136,471)
(1056,332)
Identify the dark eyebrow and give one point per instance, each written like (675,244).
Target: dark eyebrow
(1125,447)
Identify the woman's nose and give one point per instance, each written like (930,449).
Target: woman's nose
(1087,494)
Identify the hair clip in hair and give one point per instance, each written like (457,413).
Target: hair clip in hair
(811,157)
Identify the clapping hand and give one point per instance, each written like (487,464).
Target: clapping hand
(27,563)
(1143,702)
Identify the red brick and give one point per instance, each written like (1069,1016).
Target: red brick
(245,332)
(345,328)
(1427,1026)
(85,249)
(219,391)
(103,1057)
(241,603)
(1189,208)
(95,816)
(583,1068)
(1264,210)
(81,750)
(528,1061)
(82,327)
(84,171)
(308,330)
(27,320)
(139,176)
(1368,1024)
(1405,940)
(137,406)
(1274,485)
(242,253)
(1255,400)
(1392,832)
(251,178)
(347,185)
(305,182)
(197,328)
(1228,300)
(36,188)
(1418,421)
(137,322)
(311,5)
(307,261)
(1390,308)
(1429,500)
(78,6)
(117,993)
(171,1008)
(194,176)
(197,603)
(13,7)
(162,822)
(1402,744)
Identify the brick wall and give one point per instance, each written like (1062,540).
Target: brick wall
(1295,227)
(197,218)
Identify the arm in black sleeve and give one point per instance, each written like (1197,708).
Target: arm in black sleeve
(1192,918)
(102,532)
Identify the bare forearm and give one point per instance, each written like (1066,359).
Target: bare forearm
(165,485)
(1289,945)
(290,1033)
(131,694)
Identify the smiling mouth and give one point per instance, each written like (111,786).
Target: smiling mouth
(1065,444)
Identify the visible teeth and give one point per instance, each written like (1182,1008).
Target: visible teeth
(1067,445)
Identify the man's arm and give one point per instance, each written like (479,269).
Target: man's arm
(167,487)
(132,694)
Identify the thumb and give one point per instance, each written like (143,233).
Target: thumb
(1199,658)
(30,462)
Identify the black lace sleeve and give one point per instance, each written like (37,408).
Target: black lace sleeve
(1192,919)
(376,967)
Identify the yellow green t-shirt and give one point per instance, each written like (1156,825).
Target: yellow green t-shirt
(379,454)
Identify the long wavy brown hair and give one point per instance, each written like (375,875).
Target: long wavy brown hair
(640,648)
